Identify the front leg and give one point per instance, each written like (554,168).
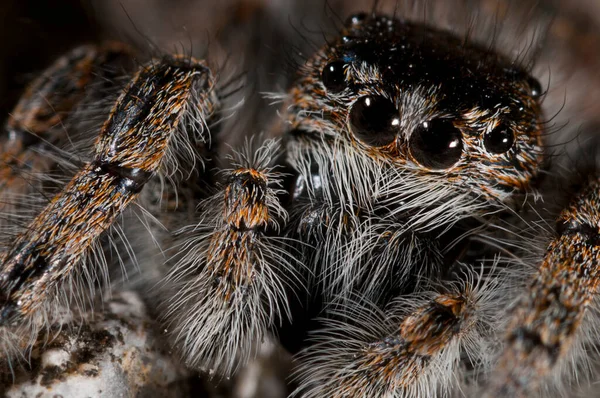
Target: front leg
(231,282)
(148,119)
(413,347)
(546,324)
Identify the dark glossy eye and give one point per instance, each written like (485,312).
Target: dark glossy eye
(333,76)
(499,140)
(436,144)
(357,19)
(374,120)
(535,88)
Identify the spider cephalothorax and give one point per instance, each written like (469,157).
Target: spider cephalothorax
(400,131)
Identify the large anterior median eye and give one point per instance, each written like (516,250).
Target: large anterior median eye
(436,144)
(374,120)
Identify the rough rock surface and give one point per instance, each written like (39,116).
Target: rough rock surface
(115,353)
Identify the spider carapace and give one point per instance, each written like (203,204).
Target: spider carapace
(377,235)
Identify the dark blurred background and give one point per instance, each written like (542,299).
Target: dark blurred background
(32,33)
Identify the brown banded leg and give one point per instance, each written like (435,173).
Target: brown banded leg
(149,117)
(230,285)
(411,349)
(37,123)
(546,321)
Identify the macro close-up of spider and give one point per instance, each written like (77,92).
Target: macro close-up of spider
(300,199)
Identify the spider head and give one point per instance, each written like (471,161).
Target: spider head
(424,102)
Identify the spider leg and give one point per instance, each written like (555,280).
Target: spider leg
(37,122)
(231,282)
(410,349)
(546,321)
(133,145)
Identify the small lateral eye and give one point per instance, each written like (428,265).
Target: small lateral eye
(499,140)
(334,77)
(436,144)
(535,88)
(357,19)
(374,120)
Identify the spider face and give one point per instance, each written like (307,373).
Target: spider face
(405,139)
(425,100)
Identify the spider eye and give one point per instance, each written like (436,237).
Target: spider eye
(334,77)
(535,88)
(357,19)
(374,120)
(499,140)
(436,144)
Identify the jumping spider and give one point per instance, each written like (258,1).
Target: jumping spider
(378,236)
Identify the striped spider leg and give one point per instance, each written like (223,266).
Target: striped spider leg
(228,290)
(547,322)
(406,141)
(412,348)
(37,124)
(33,161)
(147,126)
